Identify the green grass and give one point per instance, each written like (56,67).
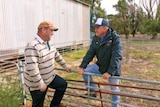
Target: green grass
(144,43)
(142,54)
(75,55)
(9,95)
(72,76)
(136,54)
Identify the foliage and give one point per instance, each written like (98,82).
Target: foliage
(115,23)
(122,7)
(149,6)
(152,27)
(141,16)
(130,18)
(158,13)
(9,95)
(87,1)
(96,10)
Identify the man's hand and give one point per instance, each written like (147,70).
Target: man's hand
(80,71)
(68,69)
(106,75)
(43,88)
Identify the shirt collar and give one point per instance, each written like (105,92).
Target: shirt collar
(39,39)
(105,36)
(101,39)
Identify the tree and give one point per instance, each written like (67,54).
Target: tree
(133,16)
(158,11)
(152,21)
(122,7)
(87,1)
(149,5)
(152,27)
(141,19)
(116,23)
(96,10)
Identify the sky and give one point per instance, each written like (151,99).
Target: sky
(108,5)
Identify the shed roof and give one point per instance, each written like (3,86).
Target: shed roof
(82,2)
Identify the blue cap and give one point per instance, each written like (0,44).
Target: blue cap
(101,22)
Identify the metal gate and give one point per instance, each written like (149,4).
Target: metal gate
(132,90)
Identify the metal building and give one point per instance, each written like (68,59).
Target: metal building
(19,20)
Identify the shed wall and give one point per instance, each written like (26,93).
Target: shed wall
(19,20)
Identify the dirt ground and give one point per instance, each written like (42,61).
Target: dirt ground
(131,68)
(142,69)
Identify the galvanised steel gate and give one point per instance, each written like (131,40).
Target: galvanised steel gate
(134,92)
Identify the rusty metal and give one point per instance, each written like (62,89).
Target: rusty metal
(120,85)
(101,91)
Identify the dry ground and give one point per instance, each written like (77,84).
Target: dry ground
(144,69)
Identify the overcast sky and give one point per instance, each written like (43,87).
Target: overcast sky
(108,5)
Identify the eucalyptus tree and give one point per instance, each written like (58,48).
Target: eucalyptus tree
(158,10)
(122,7)
(149,6)
(152,23)
(141,19)
(97,10)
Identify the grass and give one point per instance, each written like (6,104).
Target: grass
(144,43)
(75,55)
(72,58)
(145,67)
(9,95)
(142,54)
(72,76)
(149,60)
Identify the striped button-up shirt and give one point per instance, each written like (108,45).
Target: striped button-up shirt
(40,64)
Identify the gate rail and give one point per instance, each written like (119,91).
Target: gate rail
(102,91)
(75,87)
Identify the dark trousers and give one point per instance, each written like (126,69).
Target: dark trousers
(59,84)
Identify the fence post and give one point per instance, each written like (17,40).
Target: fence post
(21,77)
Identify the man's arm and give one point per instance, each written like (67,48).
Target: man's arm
(31,58)
(116,57)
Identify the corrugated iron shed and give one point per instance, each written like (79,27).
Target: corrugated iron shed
(19,20)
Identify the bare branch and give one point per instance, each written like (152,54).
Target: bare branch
(149,6)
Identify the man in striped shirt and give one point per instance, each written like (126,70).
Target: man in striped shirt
(39,74)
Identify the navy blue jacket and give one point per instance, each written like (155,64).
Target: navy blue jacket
(108,53)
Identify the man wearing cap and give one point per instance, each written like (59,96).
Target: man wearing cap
(39,74)
(106,46)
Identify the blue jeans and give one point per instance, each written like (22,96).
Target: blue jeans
(59,84)
(95,70)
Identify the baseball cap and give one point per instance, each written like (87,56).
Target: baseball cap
(101,22)
(47,24)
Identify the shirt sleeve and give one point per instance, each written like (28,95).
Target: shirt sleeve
(59,59)
(31,58)
(88,57)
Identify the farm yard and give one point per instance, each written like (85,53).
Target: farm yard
(139,24)
(141,60)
